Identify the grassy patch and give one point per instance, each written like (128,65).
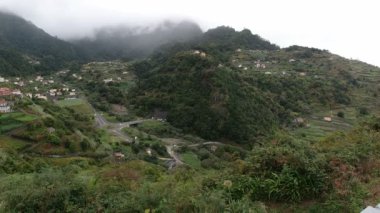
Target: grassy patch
(158,128)
(191,159)
(14,120)
(70,102)
(77,104)
(7,142)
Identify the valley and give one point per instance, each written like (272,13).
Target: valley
(215,121)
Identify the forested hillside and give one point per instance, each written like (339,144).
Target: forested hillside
(26,48)
(236,86)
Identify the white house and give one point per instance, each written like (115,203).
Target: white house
(39,96)
(107,80)
(17,92)
(4,106)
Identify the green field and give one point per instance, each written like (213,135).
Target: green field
(7,142)
(14,120)
(77,104)
(191,159)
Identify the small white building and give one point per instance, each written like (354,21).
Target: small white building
(119,155)
(4,106)
(29,95)
(17,92)
(42,97)
(108,80)
(39,78)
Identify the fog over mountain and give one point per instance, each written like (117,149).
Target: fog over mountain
(349,30)
(135,41)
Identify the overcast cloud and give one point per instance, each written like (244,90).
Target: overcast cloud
(346,27)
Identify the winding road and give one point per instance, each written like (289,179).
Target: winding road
(170,144)
(115,128)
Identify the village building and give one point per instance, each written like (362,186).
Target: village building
(302,74)
(39,96)
(108,80)
(149,151)
(4,106)
(299,120)
(118,156)
(213,148)
(39,78)
(5,91)
(17,92)
(328,119)
(200,53)
(29,95)
(197,52)
(50,130)
(2,80)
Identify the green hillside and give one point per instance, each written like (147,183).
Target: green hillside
(34,48)
(243,89)
(221,122)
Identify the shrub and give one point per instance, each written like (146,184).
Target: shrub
(340,114)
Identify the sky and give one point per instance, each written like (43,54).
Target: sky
(346,27)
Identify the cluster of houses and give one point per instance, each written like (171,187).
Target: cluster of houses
(49,90)
(5,106)
(259,65)
(7,94)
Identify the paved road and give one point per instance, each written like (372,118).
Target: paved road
(206,143)
(170,150)
(113,128)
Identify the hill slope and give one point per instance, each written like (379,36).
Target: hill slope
(237,86)
(31,46)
